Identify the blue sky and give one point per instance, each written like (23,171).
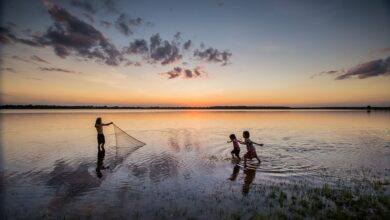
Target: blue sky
(294,53)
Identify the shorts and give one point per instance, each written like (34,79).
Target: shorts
(250,154)
(101,139)
(236,152)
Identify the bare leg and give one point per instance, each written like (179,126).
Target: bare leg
(258,159)
(232,155)
(103,147)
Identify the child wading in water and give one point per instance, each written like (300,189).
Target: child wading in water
(236,146)
(100,136)
(249,146)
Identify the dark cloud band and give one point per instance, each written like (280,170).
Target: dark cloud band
(374,68)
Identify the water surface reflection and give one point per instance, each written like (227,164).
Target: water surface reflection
(55,170)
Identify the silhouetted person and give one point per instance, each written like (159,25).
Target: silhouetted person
(99,164)
(369,109)
(251,150)
(100,136)
(250,175)
(236,146)
(236,170)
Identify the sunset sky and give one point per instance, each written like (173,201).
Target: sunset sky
(195,53)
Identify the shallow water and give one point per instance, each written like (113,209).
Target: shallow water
(49,158)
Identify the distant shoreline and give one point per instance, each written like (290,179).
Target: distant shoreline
(366,108)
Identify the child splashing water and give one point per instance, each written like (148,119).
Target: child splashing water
(249,146)
(236,146)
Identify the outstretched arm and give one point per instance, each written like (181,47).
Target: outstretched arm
(107,124)
(257,143)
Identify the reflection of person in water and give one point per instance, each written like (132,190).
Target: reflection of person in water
(100,136)
(236,170)
(249,177)
(99,165)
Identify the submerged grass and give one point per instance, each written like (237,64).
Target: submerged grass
(367,199)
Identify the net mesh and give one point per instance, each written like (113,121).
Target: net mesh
(125,142)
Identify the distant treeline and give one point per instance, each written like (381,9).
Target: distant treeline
(368,108)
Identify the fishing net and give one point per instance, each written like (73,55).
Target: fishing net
(126,141)
(125,145)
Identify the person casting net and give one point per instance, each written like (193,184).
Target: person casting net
(125,143)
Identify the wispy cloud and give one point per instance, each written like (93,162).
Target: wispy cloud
(7,69)
(126,24)
(105,24)
(8,37)
(365,70)
(329,72)
(373,68)
(110,6)
(22,59)
(84,5)
(179,72)
(38,59)
(51,69)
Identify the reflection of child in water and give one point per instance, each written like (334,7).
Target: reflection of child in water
(99,165)
(234,175)
(236,146)
(249,177)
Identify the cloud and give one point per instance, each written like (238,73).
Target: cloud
(71,36)
(177,36)
(33,78)
(365,70)
(163,51)
(105,24)
(8,37)
(177,72)
(138,46)
(7,69)
(110,6)
(132,63)
(330,72)
(89,18)
(22,59)
(68,35)
(50,69)
(126,24)
(84,5)
(187,45)
(36,58)
(213,55)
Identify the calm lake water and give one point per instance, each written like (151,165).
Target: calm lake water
(49,159)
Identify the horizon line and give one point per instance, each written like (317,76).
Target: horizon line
(33,106)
